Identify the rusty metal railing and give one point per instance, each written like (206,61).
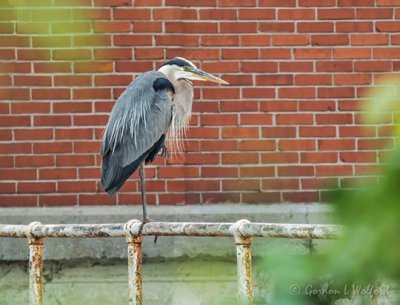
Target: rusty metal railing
(243,231)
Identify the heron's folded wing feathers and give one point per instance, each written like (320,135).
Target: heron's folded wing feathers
(140,117)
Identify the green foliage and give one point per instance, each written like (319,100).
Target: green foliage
(367,258)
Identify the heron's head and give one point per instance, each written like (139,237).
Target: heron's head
(181,68)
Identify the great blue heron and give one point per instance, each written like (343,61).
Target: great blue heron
(155,106)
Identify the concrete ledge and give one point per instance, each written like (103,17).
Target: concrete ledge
(166,247)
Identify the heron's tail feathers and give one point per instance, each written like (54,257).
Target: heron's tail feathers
(113,176)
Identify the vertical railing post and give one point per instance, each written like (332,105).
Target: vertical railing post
(244,267)
(35,266)
(134,241)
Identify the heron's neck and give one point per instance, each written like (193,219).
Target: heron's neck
(168,72)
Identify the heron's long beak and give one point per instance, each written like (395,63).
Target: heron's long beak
(201,75)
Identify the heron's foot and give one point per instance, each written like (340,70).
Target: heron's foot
(144,221)
(164,151)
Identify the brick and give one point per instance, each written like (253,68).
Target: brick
(334,118)
(90,94)
(183,3)
(34,161)
(199,185)
(6,28)
(240,158)
(280,184)
(32,80)
(318,157)
(72,54)
(387,2)
(313,3)
(319,132)
(18,200)
(220,145)
(387,26)
(238,27)
(241,185)
(259,66)
(258,92)
(372,66)
(239,53)
(294,119)
(255,119)
(374,13)
(33,54)
(280,158)
(358,157)
(280,105)
(16,148)
(297,145)
(336,144)
(75,27)
(7,188)
(352,3)
(49,94)
(235,3)
(132,40)
(295,171)
(318,79)
(73,80)
(149,53)
(220,40)
(7,54)
(147,26)
(91,40)
(14,41)
(17,174)
(131,14)
(296,14)
(36,187)
(276,27)
(53,67)
(6,162)
(90,120)
(30,107)
(369,39)
(255,40)
(334,66)
(218,14)
(315,27)
(197,53)
(296,66)
(256,14)
(46,120)
(14,94)
(174,14)
(267,197)
(351,53)
(332,92)
(274,79)
(277,3)
(236,106)
(91,14)
(57,200)
(76,186)
(336,14)
(218,119)
(279,132)
(291,40)
(93,67)
(386,53)
(333,170)
(33,134)
(329,40)
(15,121)
(296,92)
(179,40)
(353,79)
(307,197)
(190,27)
(6,135)
(312,53)
(240,132)
(372,144)
(256,145)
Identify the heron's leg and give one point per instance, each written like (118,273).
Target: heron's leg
(143,190)
(164,151)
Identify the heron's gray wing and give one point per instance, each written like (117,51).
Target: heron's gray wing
(136,128)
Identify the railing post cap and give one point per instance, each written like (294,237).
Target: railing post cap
(235,229)
(32,238)
(133,230)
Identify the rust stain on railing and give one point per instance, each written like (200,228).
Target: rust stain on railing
(243,231)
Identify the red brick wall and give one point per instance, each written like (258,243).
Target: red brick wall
(287,128)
